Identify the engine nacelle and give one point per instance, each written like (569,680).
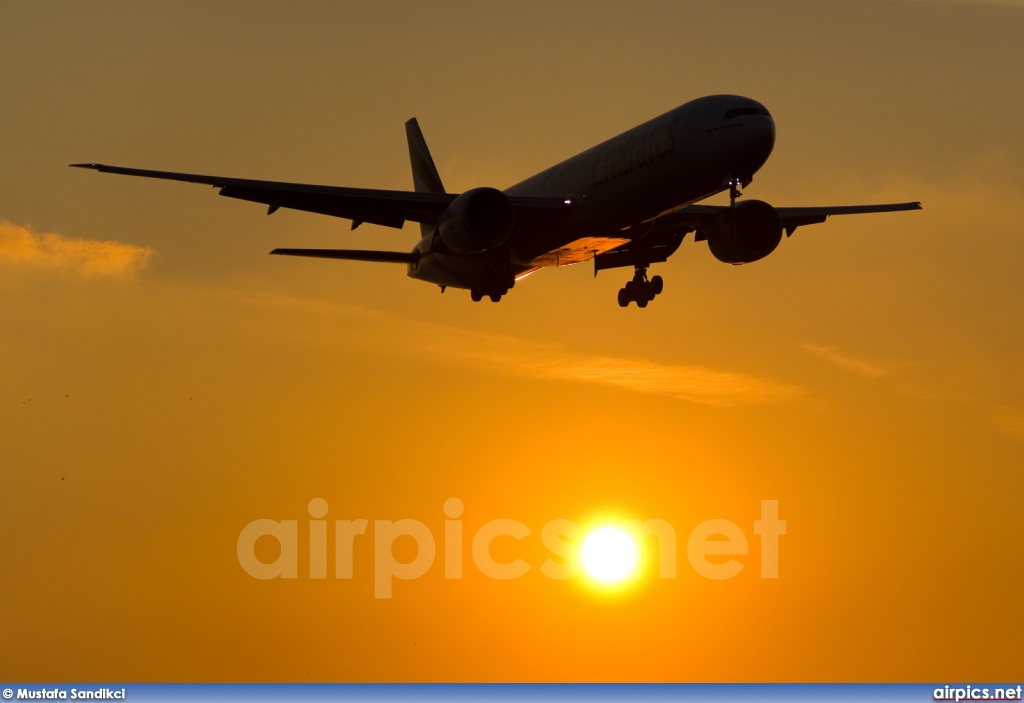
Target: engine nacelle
(478,220)
(748,232)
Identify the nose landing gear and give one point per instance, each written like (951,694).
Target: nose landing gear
(640,290)
(735,186)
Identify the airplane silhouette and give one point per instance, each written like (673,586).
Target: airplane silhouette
(629,201)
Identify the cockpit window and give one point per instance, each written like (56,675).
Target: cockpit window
(738,111)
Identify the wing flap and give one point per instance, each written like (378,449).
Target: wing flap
(651,249)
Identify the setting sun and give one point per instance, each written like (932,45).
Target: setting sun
(759,476)
(609,554)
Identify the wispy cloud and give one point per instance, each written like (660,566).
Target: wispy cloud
(530,359)
(1009,420)
(21,246)
(857,366)
(697,384)
(693,383)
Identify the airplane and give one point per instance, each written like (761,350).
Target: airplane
(627,202)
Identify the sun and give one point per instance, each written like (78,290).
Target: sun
(609,554)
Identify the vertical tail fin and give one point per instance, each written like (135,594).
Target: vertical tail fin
(424,174)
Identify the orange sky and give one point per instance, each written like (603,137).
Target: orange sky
(183,383)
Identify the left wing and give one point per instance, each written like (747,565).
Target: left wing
(655,240)
(793,217)
(696,217)
(390,208)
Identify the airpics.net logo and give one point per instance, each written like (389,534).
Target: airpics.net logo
(609,553)
(977,693)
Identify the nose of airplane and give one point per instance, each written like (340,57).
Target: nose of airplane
(758,138)
(762,130)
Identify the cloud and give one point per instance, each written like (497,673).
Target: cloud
(1009,420)
(22,247)
(861,368)
(696,384)
(518,357)
(531,359)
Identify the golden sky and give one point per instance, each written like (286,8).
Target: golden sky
(165,382)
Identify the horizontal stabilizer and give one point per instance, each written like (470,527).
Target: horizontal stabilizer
(387,257)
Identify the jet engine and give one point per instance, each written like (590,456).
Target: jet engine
(478,220)
(747,232)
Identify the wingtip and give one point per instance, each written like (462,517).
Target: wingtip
(95,167)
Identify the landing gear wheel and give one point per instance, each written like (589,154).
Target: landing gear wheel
(476,295)
(734,190)
(640,290)
(495,297)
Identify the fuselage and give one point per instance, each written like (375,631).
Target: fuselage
(679,158)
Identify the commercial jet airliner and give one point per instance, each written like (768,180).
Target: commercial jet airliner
(627,202)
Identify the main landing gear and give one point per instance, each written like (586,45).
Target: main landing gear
(478,295)
(640,290)
(494,292)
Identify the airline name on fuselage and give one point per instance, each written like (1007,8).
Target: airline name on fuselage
(635,151)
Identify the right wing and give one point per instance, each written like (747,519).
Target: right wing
(387,257)
(390,208)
